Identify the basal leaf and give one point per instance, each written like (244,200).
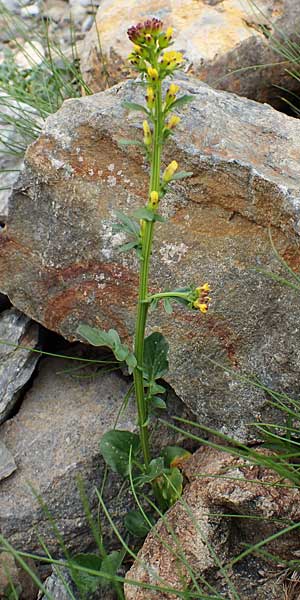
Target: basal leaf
(174,455)
(136,525)
(155,356)
(86,582)
(115,448)
(110,565)
(155,469)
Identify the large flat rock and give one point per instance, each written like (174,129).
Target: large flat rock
(229,44)
(59,260)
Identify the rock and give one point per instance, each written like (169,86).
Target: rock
(12,140)
(31,10)
(58,591)
(222,39)
(31,55)
(11,572)
(7,463)
(16,365)
(59,260)
(55,440)
(200,529)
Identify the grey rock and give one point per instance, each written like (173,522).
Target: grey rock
(11,140)
(7,463)
(55,440)
(16,365)
(32,10)
(59,259)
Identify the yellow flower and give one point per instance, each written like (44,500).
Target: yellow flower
(204,288)
(203,307)
(169,33)
(153,73)
(154,198)
(147,133)
(173,121)
(172,59)
(150,98)
(137,49)
(170,170)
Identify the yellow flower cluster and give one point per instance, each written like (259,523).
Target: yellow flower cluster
(172,60)
(203,300)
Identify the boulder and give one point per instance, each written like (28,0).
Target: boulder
(16,364)
(200,529)
(54,439)
(223,41)
(12,573)
(59,259)
(7,463)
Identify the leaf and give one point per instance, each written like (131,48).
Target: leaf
(127,224)
(110,339)
(85,581)
(181,101)
(155,356)
(111,564)
(155,469)
(157,403)
(136,524)
(174,455)
(148,215)
(124,142)
(181,175)
(155,387)
(171,488)
(128,246)
(96,337)
(115,448)
(167,306)
(134,106)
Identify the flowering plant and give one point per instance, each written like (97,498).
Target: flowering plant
(148,361)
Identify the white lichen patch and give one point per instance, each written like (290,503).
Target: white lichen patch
(110,240)
(172,252)
(111,181)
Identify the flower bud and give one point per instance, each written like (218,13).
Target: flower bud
(153,202)
(173,121)
(169,33)
(150,98)
(147,133)
(171,93)
(170,170)
(152,73)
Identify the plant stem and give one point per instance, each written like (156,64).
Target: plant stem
(143,285)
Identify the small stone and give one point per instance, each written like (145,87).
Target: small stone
(32,10)
(7,463)
(16,365)
(30,56)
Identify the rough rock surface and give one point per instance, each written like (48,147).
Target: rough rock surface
(7,463)
(59,261)
(16,365)
(220,485)
(10,571)
(55,439)
(220,38)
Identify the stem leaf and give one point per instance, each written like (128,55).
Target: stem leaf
(155,356)
(182,101)
(148,215)
(110,339)
(181,175)
(135,106)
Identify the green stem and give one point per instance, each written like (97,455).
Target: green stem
(167,295)
(143,284)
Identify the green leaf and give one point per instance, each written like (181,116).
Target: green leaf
(128,246)
(111,564)
(155,387)
(124,142)
(148,215)
(171,488)
(136,524)
(155,356)
(167,306)
(127,224)
(110,339)
(157,403)
(115,448)
(96,337)
(86,582)
(181,175)
(134,106)
(155,469)
(182,101)
(174,455)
